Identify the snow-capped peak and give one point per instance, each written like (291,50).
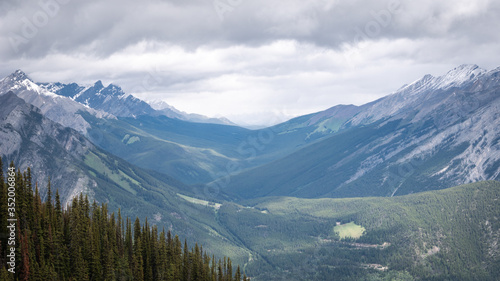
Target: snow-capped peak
(458,76)
(20,81)
(19,75)
(418,84)
(160,105)
(454,78)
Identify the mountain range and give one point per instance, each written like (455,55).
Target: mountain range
(263,196)
(113,100)
(435,133)
(74,165)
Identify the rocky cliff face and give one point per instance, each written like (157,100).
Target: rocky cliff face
(460,108)
(112,99)
(60,109)
(109,99)
(49,149)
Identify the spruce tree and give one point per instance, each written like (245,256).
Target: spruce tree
(237,275)
(83,242)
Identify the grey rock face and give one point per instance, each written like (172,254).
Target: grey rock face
(109,99)
(60,109)
(49,149)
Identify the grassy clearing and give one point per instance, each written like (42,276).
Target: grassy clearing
(118,177)
(349,230)
(216,206)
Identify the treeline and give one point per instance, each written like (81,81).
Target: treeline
(83,241)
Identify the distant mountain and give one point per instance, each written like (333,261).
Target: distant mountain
(330,153)
(199,153)
(430,93)
(190,158)
(72,162)
(112,99)
(434,133)
(60,109)
(318,125)
(170,111)
(75,165)
(193,152)
(109,99)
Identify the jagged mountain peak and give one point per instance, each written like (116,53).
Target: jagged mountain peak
(19,75)
(19,81)
(111,98)
(98,88)
(98,84)
(453,78)
(463,73)
(113,90)
(56,107)
(418,84)
(459,75)
(465,67)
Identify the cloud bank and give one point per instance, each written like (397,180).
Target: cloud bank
(255,62)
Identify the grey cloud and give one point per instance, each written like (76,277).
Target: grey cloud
(105,27)
(299,54)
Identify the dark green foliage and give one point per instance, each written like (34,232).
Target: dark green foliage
(449,234)
(85,242)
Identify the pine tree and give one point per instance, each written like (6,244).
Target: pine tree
(220,272)
(81,242)
(237,275)
(138,268)
(128,242)
(48,202)
(229,270)
(186,268)
(24,273)
(177,258)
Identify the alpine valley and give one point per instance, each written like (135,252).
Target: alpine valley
(403,188)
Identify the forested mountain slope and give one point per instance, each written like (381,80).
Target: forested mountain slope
(75,165)
(451,234)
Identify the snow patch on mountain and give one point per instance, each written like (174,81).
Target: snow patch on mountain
(60,109)
(463,107)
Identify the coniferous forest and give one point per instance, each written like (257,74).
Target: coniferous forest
(84,241)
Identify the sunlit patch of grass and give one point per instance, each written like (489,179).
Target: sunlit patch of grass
(349,230)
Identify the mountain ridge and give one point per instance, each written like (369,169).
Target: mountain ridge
(76,166)
(110,99)
(452,129)
(114,100)
(59,109)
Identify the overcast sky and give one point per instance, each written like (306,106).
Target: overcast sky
(253,61)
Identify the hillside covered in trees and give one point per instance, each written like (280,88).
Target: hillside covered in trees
(83,241)
(450,234)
